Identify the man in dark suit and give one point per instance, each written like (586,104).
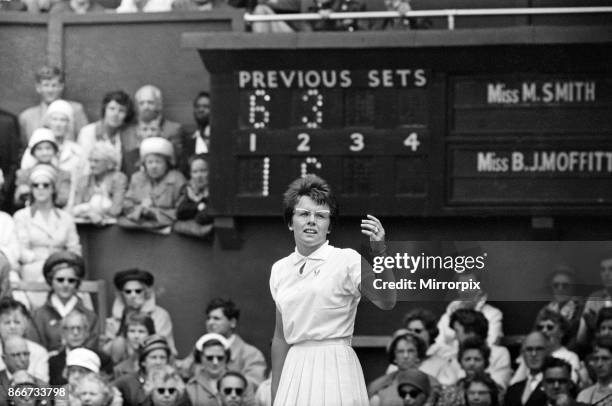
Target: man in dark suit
(529,392)
(16,357)
(197,142)
(9,157)
(557,383)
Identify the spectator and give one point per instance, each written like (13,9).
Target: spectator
(131,159)
(43,149)
(49,86)
(211,355)
(76,332)
(151,201)
(123,349)
(77,7)
(199,141)
(603,325)
(325,7)
(153,354)
(413,387)
(14,319)
(481,390)
(136,295)
(197,5)
(232,389)
(63,271)
(117,113)
(10,148)
(99,196)
(16,358)
(467,323)
(528,392)
(92,390)
(595,302)
(406,350)
(26,382)
(400,24)
(193,212)
(10,252)
(147,6)
(601,361)
(556,375)
(164,387)
(43,229)
(562,283)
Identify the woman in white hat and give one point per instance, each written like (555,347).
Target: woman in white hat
(154,192)
(43,149)
(99,196)
(42,228)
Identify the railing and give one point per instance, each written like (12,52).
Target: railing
(450,14)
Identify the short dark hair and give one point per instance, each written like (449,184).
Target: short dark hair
(203,93)
(196,157)
(315,188)
(603,342)
(555,317)
(9,305)
(472,321)
(226,305)
(474,343)
(413,338)
(234,374)
(122,98)
(552,362)
(485,380)
(427,317)
(605,313)
(132,318)
(49,72)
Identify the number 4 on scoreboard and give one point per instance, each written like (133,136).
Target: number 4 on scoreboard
(412,142)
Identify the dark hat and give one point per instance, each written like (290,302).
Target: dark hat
(122,277)
(415,378)
(152,343)
(63,259)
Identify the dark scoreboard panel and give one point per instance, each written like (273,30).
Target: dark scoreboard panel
(458,125)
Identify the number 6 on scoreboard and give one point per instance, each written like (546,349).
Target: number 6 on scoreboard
(412,142)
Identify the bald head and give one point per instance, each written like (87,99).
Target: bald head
(16,354)
(535,349)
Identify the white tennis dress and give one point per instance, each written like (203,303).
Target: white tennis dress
(318,307)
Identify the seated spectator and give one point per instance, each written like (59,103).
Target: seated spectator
(131,158)
(10,150)
(193,212)
(528,392)
(136,295)
(123,349)
(222,318)
(91,390)
(16,358)
(77,7)
(99,196)
(481,390)
(198,142)
(423,323)
(146,6)
(413,388)
(562,283)
(75,334)
(63,271)
(603,325)
(233,389)
(14,319)
(10,253)
(43,229)
(601,362)
(469,323)
(153,354)
(594,303)
(27,383)
(164,387)
(406,350)
(44,150)
(49,86)
(325,7)
(554,327)
(151,201)
(402,6)
(558,386)
(475,300)
(117,113)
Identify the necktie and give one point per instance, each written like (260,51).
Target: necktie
(528,389)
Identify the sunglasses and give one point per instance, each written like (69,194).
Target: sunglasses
(212,358)
(228,391)
(414,393)
(162,391)
(546,327)
(43,185)
(71,281)
(128,291)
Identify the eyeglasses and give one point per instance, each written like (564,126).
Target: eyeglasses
(319,215)
(162,391)
(43,185)
(76,329)
(129,291)
(546,327)
(71,281)
(19,354)
(228,391)
(212,358)
(413,393)
(534,349)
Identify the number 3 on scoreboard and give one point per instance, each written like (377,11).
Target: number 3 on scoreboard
(304,145)
(412,142)
(357,142)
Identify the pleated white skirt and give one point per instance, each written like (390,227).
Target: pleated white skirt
(322,373)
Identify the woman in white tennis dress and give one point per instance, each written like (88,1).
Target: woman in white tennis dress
(316,290)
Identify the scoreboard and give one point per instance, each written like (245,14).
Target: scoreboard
(514,121)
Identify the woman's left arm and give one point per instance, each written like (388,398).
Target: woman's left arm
(382,298)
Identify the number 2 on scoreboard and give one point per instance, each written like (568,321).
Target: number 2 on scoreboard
(412,142)
(304,145)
